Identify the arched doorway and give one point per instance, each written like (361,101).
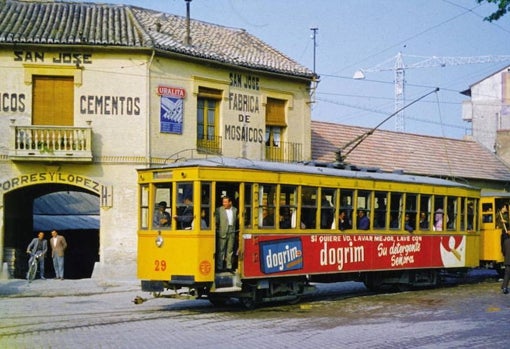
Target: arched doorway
(72,211)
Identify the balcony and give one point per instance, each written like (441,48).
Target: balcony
(284,152)
(50,143)
(209,145)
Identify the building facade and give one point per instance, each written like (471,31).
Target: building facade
(488,109)
(91,92)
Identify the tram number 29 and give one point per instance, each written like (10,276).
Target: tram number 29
(159,265)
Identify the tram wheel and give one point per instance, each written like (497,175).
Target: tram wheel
(248,302)
(217,301)
(295,300)
(373,282)
(403,287)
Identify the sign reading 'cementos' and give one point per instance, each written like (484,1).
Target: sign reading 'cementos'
(281,255)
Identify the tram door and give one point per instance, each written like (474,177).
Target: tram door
(232,191)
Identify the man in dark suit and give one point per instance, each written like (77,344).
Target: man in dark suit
(38,246)
(226,217)
(186,217)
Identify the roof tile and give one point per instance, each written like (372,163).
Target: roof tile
(416,154)
(76,23)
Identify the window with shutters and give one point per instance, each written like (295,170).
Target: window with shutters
(275,127)
(53,100)
(208,102)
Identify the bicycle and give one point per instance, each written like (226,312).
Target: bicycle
(34,265)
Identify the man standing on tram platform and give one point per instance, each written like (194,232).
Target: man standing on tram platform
(226,217)
(506,252)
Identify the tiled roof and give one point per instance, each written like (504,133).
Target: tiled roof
(414,154)
(77,23)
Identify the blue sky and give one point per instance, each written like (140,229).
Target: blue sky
(354,34)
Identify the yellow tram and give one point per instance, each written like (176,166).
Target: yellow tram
(299,224)
(491,204)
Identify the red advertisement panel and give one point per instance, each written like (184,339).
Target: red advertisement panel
(266,255)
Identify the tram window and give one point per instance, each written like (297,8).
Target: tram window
(309,207)
(487,213)
(396,205)
(346,205)
(440,218)
(363,209)
(327,208)
(144,206)
(471,214)
(267,193)
(288,205)
(163,198)
(183,214)
(205,207)
(411,206)
(452,213)
(380,209)
(247,205)
(425,209)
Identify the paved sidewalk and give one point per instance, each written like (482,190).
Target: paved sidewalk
(55,287)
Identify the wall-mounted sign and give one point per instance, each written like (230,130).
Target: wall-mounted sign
(171,109)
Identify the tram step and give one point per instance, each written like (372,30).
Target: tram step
(228,289)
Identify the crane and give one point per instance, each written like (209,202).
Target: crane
(399,68)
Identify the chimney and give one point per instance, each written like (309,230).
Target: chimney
(187,39)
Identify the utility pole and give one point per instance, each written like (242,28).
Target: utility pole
(314,37)
(315,80)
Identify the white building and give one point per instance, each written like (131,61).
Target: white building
(488,109)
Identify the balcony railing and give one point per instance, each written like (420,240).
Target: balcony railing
(209,145)
(51,143)
(284,152)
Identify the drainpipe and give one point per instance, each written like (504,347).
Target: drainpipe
(148,154)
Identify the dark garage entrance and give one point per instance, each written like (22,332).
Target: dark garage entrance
(72,211)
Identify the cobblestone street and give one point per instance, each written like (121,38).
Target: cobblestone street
(88,313)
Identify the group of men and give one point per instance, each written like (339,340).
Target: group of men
(39,246)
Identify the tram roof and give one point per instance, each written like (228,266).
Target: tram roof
(500,194)
(311,168)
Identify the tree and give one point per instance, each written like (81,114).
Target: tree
(503,8)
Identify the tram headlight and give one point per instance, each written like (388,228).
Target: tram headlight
(159,240)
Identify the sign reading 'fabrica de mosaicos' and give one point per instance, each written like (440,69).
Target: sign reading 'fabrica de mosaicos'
(244,98)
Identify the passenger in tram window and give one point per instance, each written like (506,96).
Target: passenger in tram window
(438,219)
(186,216)
(293,219)
(408,224)
(327,213)
(268,220)
(285,218)
(363,221)
(394,223)
(343,223)
(424,222)
(161,216)
(203,221)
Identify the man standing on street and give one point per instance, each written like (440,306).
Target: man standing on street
(38,246)
(58,246)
